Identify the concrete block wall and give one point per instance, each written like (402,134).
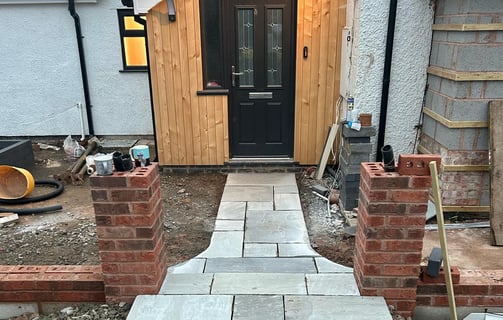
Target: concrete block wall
(454,100)
(128,209)
(389,236)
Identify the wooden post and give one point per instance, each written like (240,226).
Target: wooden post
(496,149)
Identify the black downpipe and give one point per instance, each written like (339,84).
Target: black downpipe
(85,82)
(386,77)
(144,23)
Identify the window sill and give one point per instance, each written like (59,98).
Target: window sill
(132,71)
(213,92)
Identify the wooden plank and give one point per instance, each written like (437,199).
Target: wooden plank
(443,239)
(8,217)
(326,152)
(496,149)
(474,209)
(300,122)
(464,168)
(219,130)
(469,27)
(186,91)
(453,124)
(465,75)
(212,132)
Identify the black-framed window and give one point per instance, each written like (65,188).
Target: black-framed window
(132,36)
(211,34)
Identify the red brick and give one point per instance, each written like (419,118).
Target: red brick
(111,208)
(415,234)
(400,270)
(406,220)
(409,196)
(139,289)
(385,208)
(494,301)
(134,244)
(123,195)
(405,307)
(29,269)
(423,300)
(143,177)
(399,293)
(373,245)
(388,180)
(403,245)
(381,282)
(455,275)
(496,289)
(103,220)
(135,220)
(412,258)
(120,279)
(419,209)
(420,182)
(105,245)
(116,232)
(150,207)
(110,267)
(99,195)
(443,301)
(373,195)
(371,270)
(112,181)
(78,296)
(369,292)
(416,164)
(382,257)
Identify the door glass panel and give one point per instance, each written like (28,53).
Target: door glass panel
(274,46)
(245,46)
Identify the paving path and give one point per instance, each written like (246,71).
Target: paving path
(259,265)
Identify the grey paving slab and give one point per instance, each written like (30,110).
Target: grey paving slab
(335,284)
(263,250)
(261,179)
(259,283)
(224,244)
(260,265)
(191,266)
(296,250)
(286,189)
(336,308)
(287,202)
(231,210)
(229,225)
(276,227)
(253,205)
(187,283)
(171,307)
(258,308)
(247,193)
(326,266)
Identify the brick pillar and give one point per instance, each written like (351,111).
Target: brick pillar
(128,211)
(390,231)
(356,148)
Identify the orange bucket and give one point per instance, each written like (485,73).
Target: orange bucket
(15,183)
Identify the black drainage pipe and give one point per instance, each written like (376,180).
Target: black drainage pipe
(386,77)
(83,69)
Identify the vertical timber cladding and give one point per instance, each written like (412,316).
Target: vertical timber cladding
(190,129)
(319,28)
(193,130)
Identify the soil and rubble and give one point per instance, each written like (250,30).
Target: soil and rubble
(190,204)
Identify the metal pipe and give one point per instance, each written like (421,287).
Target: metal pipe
(386,77)
(83,69)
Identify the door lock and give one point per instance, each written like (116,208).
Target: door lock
(234,74)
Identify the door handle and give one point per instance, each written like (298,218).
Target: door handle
(234,74)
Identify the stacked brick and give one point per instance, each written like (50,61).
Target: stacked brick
(453,102)
(356,148)
(43,284)
(389,238)
(128,211)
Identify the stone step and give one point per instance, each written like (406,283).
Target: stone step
(259,307)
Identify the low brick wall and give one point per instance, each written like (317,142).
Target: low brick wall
(476,288)
(43,284)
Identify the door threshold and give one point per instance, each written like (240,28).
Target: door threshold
(256,160)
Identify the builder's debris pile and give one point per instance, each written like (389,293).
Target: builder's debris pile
(77,171)
(116,311)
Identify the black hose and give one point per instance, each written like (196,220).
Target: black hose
(32,210)
(52,194)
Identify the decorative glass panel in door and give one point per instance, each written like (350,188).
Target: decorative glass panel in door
(274,46)
(245,45)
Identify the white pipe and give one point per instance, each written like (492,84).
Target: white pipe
(83,135)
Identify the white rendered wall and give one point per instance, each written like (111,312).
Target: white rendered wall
(411,49)
(41,82)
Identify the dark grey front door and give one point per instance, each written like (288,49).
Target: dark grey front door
(261,50)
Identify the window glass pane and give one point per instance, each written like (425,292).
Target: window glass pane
(245,46)
(130,24)
(134,48)
(212,55)
(274,46)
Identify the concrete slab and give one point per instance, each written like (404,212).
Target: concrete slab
(259,283)
(261,179)
(229,225)
(258,308)
(252,205)
(333,284)
(286,189)
(336,308)
(187,283)
(192,266)
(263,250)
(10,309)
(296,250)
(231,210)
(247,193)
(326,266)
(194,307)
(224,244)
(260,265)
(283,202)
(276,227)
